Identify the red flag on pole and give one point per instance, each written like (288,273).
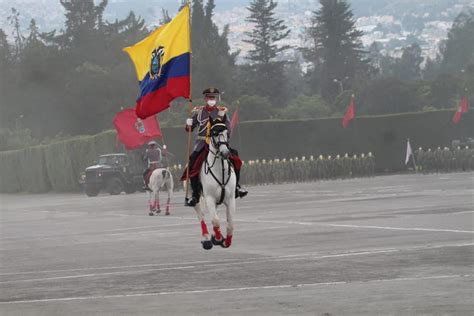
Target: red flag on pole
(350,113)
(235,119)
(133,131)
(463,108)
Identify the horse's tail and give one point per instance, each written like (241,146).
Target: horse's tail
(167,177)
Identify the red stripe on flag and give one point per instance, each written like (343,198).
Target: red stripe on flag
(159,100)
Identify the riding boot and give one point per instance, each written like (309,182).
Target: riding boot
(196,192)
(145,182)
(239,192)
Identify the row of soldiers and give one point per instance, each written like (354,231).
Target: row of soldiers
(302,169)
(445,159)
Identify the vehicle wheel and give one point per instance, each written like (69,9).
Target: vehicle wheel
(91,191)
(129,189)
(114,186)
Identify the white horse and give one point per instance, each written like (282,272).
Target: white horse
(218,187)
(159,179)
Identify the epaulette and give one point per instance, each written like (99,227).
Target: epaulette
(196,109)
(222,110)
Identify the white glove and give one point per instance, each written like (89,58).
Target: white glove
(189,122)
(164,146)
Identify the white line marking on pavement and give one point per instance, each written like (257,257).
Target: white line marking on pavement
(97,274)
(220,290)
(225,262)
(403,228)
(357,226)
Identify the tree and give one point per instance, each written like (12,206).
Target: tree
(14,19)
(255,107)
(334,47)
(304,107)
(266,71)
(6,86)
(408,66)
(5,53)
(213,62)
(458,51)
(444,91)
(431,69)
(389,95)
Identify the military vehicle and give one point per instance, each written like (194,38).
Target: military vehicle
(114,173)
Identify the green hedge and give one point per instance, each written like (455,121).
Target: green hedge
(10,171)
(57,166)
(385,136)
(67,159)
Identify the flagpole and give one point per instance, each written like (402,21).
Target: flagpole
(190,109)
(414,163)
(355,124)
(164,147)
(412,154)
(413,157)
(240,136)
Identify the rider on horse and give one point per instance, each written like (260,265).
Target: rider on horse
(152,160)
(199,120)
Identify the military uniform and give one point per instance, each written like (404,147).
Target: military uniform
(152,159)
(201,116)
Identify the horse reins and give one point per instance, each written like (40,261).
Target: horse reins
(208,169)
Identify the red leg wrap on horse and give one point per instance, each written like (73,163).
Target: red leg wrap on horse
(228,241)
(204,228)
(217,233)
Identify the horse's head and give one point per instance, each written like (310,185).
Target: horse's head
(220,137)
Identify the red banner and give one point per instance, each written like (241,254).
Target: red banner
(350,113)
(132,131)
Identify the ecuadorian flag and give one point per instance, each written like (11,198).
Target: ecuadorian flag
(162,63)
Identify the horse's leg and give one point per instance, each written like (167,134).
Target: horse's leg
(150,203)
(170,192)
(157,199)
(230,210)
(206,243)
(216,238)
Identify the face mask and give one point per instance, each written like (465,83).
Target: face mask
(211,102)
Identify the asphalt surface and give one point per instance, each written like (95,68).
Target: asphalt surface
(389,245)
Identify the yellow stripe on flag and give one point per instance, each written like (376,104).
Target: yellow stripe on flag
(173,36)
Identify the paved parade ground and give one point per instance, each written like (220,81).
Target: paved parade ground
(389,245)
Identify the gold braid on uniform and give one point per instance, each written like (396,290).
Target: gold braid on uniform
(208,133)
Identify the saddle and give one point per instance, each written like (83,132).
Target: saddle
(196,166)
(153,166)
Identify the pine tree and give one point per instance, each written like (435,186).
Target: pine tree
(213,62)
(335,47)
(408,67)
(458,52)
(266,55)
(431,69)
(14,19)
(5,53)
(6,86)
